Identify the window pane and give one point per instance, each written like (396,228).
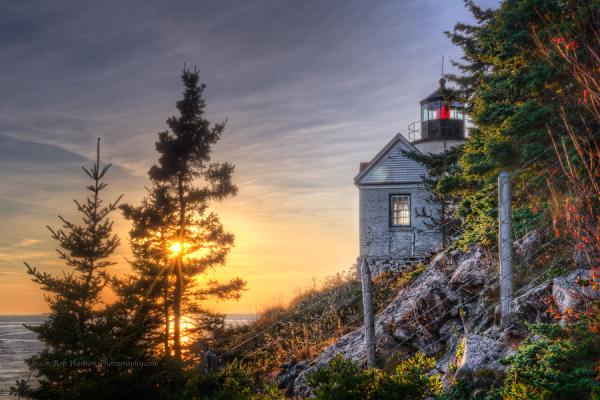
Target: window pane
(400,210)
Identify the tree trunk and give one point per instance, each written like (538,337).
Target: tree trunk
(177,310)
(166,314)
(178,292)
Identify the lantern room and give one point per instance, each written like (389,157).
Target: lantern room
(440,119)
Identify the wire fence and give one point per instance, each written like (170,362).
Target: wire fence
(351,323)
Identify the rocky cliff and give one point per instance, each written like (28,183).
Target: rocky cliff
(449,312)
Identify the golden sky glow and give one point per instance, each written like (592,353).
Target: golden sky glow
(277,254)
(307,95)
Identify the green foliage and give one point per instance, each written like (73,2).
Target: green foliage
(555,363)
(460,390)
(513,93)
(232,382)
(410,380)
(440,167)
(342,379)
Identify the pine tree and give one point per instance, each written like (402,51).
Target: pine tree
(440,168)
(74,331)
(184,168)
(512,94)
(152,229)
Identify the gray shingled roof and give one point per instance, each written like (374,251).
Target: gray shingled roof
(391,166)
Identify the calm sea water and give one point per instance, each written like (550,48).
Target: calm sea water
(18,343)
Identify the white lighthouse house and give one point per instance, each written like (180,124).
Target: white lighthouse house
(392,196)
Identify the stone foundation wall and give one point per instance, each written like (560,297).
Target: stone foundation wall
(379,265)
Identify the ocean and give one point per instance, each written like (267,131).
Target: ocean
(18,343)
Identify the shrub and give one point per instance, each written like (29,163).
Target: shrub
(232,382)
(343,380)
(411,380)
(555,363)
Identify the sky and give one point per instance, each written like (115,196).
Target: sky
(308,88)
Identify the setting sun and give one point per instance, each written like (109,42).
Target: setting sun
(175,248)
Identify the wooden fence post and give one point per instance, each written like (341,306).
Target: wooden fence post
(505,244)
(367,295)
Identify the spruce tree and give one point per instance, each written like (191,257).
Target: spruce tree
(73,333)
(440,169)
(513,94)
(152,229)
(199,241)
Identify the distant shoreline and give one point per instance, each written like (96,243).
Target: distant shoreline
(36,317)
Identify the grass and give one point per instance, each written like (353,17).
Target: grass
(312,320)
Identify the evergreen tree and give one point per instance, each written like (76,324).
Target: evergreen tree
(199,241)
(513,94)
(152,229)
(74,332)
(440,167)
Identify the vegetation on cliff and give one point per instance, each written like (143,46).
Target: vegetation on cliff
(311,321)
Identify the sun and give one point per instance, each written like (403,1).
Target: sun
(175,248)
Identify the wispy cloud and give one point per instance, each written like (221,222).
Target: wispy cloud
(26,242)
(309,89)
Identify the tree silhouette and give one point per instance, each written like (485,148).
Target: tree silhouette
(74,331)
(187,181)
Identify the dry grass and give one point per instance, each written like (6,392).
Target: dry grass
(315,318)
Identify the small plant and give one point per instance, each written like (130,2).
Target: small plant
(460,350)
(232,382)
(555,363)
(459,390)
(411,380)
(342,379)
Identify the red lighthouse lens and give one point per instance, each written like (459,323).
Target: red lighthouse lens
(444,112)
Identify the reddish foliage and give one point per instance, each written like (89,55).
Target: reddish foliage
(576,194)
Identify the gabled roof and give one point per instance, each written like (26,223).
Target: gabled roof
(390,165)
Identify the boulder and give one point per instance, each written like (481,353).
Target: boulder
(526,247)
(471,274)
(454,296)
(430,309)
(417,319)
(530,307)
(570,295)
(478,360)
(288,373)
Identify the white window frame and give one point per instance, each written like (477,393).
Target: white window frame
(392,212)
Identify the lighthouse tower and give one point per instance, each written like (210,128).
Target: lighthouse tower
(442,123)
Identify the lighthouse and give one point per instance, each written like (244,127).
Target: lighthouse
(392,195)
(442,123)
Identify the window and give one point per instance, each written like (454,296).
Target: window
(441,110)
(399,210)
(430,111)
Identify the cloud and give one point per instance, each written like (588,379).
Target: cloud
(309,89)
(26,242)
